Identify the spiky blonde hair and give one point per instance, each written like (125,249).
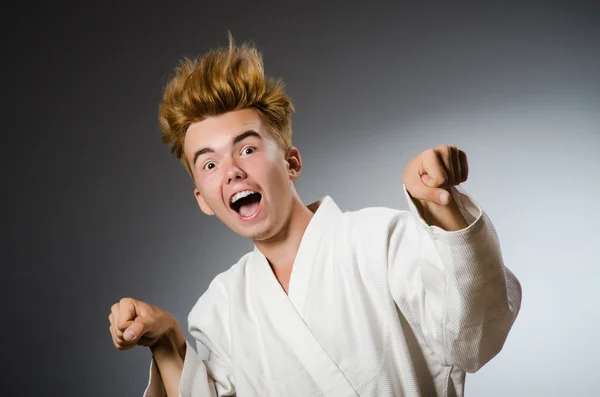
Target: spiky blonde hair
(221,81)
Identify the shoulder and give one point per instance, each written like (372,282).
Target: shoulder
(376,220)
(226,280)
(215,300)
(368,230)
(209,319)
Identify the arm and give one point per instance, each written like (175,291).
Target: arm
(176,369)
(452,286)
(169,355)
(202,372)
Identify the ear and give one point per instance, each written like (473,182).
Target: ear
(294,163)
(202,203)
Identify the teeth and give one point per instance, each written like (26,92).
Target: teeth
(240,195)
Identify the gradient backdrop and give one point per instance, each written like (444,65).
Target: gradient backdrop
(96,208)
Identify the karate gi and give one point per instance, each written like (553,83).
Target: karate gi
(380,304)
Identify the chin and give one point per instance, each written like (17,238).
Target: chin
(257,234)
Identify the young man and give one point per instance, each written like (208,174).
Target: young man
(376,302)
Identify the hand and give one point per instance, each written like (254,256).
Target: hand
(133,322)
(429,176)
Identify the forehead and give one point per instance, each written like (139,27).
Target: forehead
(219,130)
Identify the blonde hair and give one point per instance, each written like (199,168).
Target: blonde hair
(221,81)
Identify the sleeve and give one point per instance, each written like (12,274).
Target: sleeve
(200,377)
(452,286)
(206,369)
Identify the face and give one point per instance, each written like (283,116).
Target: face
(234,158)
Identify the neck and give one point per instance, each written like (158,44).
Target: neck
(281,249)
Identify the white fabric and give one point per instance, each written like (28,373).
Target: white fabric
(380,304)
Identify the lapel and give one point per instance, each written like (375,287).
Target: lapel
(284,313)
(326,212)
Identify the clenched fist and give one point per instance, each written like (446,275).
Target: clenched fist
(428,176)
(133,322)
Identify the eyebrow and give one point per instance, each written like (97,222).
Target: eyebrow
(236,140)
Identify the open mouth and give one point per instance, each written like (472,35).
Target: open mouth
(247,206)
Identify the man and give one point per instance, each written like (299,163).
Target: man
(376,302)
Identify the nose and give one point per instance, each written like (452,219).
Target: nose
(234,172)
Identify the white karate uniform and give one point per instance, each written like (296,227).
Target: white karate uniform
(380,304)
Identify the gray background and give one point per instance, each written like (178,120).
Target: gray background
(95,208)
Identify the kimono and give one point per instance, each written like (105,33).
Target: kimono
(379,304)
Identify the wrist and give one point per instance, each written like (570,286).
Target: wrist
(447,217)
(172,341)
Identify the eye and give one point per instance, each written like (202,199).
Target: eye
(209,165)
(248,150)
